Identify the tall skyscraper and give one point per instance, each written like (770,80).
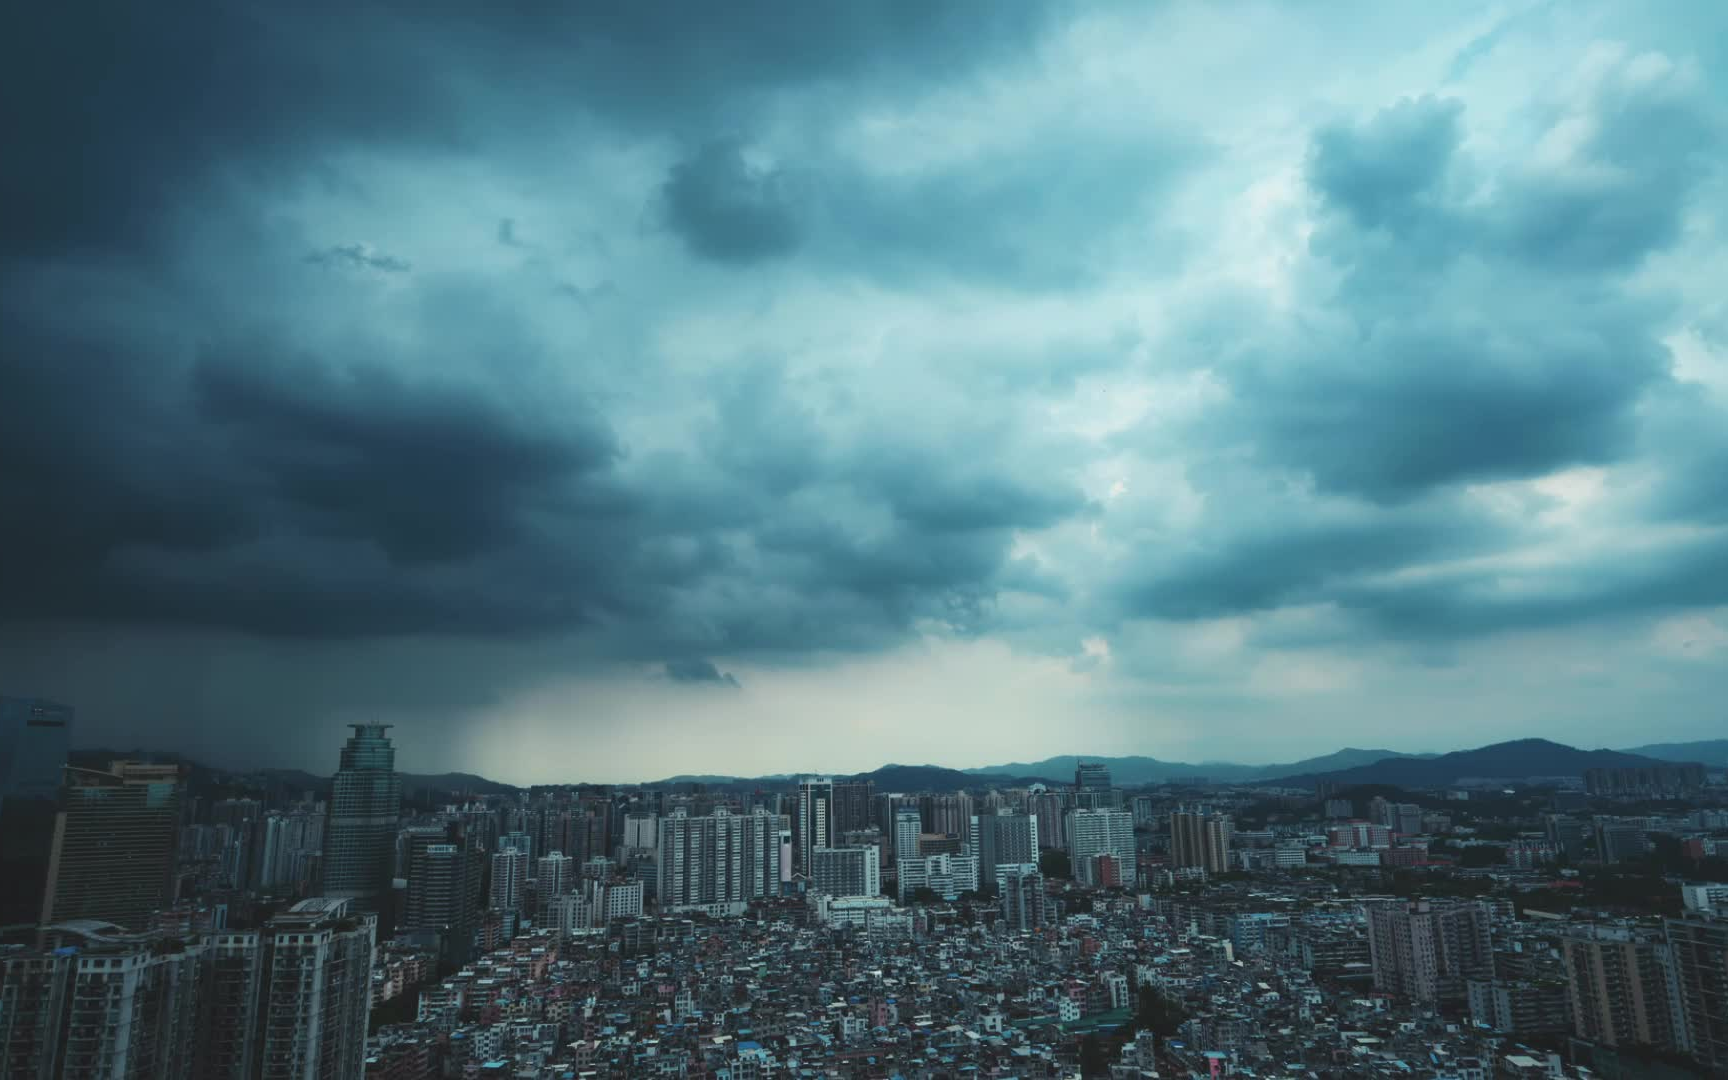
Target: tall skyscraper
(114,845)
(1092,833)
(1200,840)
(846,871)
(360,831)
(33,743)
(813,822)
(1698,948)
(1427,951)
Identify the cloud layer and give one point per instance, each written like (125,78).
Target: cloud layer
(544,370)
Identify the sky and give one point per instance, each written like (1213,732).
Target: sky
(611,391)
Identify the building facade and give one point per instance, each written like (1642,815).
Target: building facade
(360,831)
(115,842)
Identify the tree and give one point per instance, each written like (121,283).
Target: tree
(1055,864)
(924,894)
(1092,1059)
(1158,1013)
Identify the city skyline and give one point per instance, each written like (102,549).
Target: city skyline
(589,386)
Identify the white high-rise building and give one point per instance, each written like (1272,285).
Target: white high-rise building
(908,826)
(945,875)
(813,823)
(509,880)
(1092,833)
(720,862)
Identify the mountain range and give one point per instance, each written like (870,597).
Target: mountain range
(1350,766)
(1135,770)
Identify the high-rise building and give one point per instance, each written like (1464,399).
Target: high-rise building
(115,840)
(1091,776)
(719,862)
(102,1004)
(316,992)
(908,827)
(365,804)
(1006,837)
(945,875)
(1698,949)
(1092,833)
(509,880)
(285,1003)
(812,822)
(1025,906)
(554,876)
(1049,807)
(846,871)
(1621,986)
(639,831)
(1427,951)
(33,743)
(852,799)
(289,842)
(1200,840)
(444,891)
(947,815)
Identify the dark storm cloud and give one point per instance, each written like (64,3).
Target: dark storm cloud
(238,489)
(1024,220)
(729,210)
(359,256)
(698,671)
(1381,171)
(115,111)
(261,483)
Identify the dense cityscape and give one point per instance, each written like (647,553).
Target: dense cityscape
(167,919)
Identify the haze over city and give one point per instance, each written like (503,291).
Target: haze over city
(606,394)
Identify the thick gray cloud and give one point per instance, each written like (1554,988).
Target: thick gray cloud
(1473,333)
(728,210)
(698,671)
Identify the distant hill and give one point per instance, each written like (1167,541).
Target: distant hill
(1516,759)
(1708,751)
(936,778)
(716,780)
(1135,770)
